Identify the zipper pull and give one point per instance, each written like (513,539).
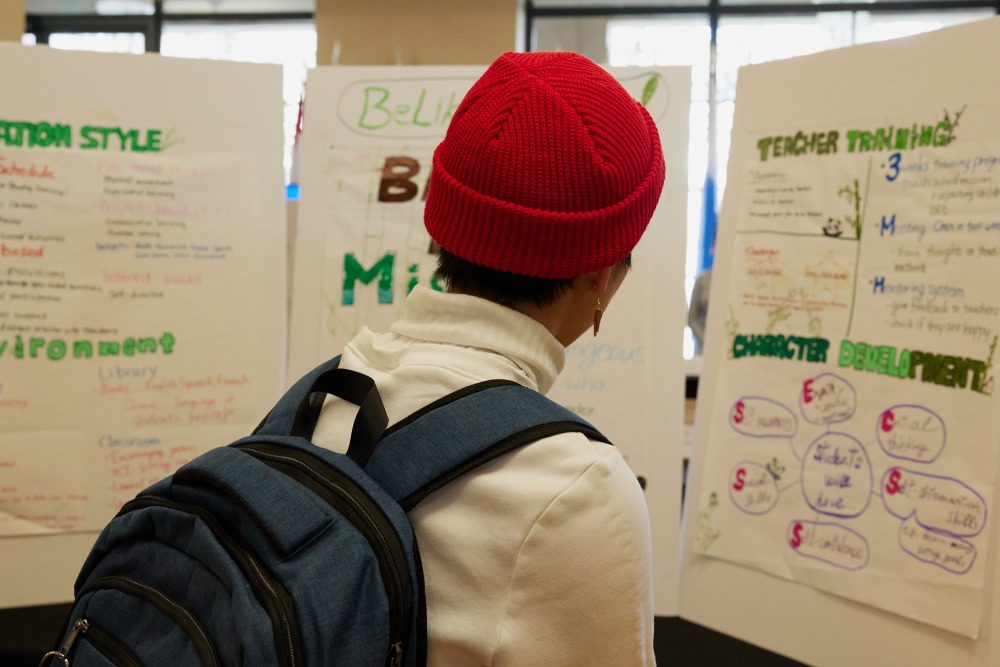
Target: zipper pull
(396,654)
(81,626)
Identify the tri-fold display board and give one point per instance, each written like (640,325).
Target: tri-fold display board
(843,494)
(369,135)
(143,304)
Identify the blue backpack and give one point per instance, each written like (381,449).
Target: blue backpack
(274,551)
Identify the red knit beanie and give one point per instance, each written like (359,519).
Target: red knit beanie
(549,169)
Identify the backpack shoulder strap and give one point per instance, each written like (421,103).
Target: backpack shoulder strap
(434,445)
(461,432)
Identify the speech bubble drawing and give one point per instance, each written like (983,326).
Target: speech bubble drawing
(401,107)
(934,501)
(930,546)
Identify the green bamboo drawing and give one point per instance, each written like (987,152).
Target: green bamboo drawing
(815,322)
(952,124)
(707,533)
(853,196)
(776,317)
(987,385)
(732,328)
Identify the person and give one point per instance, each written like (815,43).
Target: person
(697,315)
(698,309)
(545,181)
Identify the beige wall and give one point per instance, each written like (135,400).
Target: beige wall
(429,32)
(11,20)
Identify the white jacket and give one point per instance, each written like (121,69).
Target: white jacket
(541,557)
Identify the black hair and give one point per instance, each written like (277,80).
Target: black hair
(502,287)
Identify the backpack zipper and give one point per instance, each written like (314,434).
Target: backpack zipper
(180,615)
(347,495)
(81,625)
(111,647)
(103,642)
(264,585)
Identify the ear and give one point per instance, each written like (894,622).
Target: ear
(601,280)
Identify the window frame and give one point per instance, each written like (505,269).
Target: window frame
(150,25)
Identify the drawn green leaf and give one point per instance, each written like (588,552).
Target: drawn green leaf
(649,90)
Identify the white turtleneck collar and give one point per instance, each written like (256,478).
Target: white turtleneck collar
(469,321)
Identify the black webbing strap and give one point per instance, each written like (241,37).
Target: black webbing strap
(351,386)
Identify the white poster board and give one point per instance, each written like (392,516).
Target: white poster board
(143,302)
(367,143)
(843,490)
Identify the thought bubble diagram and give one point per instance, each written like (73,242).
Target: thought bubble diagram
(760,417)
(827,399)
(828,542)
(837,475)
(752,488)
(911,432)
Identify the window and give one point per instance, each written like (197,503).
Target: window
(678,41)
(106,42)
(290,44)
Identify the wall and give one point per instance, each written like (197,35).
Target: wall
(11,20)
(433,32)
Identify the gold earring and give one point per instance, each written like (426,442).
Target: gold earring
(598,314)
